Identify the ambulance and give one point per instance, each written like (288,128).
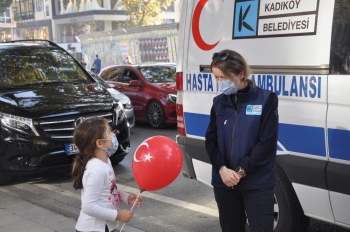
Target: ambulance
(299,49)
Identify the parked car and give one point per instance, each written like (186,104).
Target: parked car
(150,87)
(44,94)
(122,98)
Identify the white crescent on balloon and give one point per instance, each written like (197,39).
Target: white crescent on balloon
(145,144)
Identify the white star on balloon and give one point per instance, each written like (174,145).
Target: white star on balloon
(148,157)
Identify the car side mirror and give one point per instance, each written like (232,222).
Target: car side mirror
(135,83)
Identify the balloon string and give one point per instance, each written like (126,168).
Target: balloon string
(131,210)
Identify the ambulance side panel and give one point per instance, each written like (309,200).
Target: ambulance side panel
(338,127)
(314,107)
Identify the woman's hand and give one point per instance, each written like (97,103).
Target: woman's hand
(229,177)
(124,215)
(132,198)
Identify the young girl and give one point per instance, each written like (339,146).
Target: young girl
(93,173)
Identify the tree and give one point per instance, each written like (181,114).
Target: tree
(4,4)
(341,11)
(144,12)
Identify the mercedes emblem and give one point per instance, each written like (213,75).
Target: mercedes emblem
(78,121)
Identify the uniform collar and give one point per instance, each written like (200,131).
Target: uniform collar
(241,94)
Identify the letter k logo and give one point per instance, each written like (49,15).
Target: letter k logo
(241,20)
(245,20)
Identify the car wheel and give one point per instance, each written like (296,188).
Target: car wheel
(155,115)
(276,216)
(4,178)
(289,215)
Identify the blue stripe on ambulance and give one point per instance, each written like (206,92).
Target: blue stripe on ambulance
(303,139)
(192,122)
(339,145)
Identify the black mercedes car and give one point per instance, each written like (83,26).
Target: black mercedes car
(44,94)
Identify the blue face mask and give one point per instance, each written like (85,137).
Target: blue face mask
(227,87)
(111,150)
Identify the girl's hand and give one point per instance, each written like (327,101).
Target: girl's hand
(124,215)
(132,198)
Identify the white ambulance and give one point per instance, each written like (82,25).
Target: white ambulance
(300,49)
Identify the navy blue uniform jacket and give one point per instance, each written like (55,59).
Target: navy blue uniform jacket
(243,131)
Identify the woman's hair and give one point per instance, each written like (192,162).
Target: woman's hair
(234,63)
(85,136)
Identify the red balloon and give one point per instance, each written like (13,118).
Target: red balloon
(157,162)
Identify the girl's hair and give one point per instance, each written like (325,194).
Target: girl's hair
(85,136)
(234,63)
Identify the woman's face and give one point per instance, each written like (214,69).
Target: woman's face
(220,76)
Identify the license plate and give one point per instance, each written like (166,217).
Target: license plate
(71,149)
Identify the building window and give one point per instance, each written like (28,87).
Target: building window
(39,6)
(25,9)
(68,32)
(47,6)
(69,6)
(169,8)
(39,32)
(5,17)
(166,21)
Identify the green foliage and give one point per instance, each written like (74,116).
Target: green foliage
(4,4)
(342,11)
(144,12)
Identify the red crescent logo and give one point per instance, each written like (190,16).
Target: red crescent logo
(195,28)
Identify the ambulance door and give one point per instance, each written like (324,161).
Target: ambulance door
(338,117)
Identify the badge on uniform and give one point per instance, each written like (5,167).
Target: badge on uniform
(253,110)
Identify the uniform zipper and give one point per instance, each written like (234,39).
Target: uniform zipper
(233,132)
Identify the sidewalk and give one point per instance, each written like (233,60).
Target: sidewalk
(22,216)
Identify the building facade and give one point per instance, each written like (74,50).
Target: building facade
(149,44)
(7,24)
(61,21)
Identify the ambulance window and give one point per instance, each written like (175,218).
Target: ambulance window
(340,41)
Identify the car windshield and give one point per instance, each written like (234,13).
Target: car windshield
(99,80)
(38,65)
(159,74)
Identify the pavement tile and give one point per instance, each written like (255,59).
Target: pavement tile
(8,218)
(64,226)
(24,226)
(27,212)
(13,203)
(46,218)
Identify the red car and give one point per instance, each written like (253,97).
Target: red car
(150,87)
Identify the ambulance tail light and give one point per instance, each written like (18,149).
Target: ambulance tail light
(179,81)
(180,120)
(179,105)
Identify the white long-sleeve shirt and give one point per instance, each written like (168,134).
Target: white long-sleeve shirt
(100,197)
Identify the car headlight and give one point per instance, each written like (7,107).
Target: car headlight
(171,97)
(18,124)
(119,113)
(128,105)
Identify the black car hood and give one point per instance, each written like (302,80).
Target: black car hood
(40,101)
